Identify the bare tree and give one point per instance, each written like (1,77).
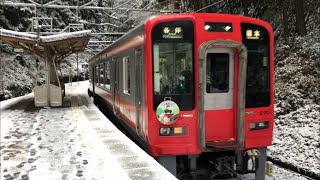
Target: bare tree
(300,18)
(285,23)
(244,4)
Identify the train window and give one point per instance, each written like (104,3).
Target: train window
(217,75)
(172,68)
(97,74)
(256,39)
(107,74)
(90,74)
(126,75)
(101,75)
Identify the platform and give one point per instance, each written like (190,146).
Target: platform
(75,141)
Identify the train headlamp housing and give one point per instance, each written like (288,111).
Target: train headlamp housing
(173,131)
(259,125)
(165,131)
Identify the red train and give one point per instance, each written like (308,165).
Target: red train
(191,88)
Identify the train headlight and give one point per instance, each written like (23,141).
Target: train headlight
(259,125)
(164,131)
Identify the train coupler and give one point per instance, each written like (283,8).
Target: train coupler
(247,161)
(252,153)
(269,168)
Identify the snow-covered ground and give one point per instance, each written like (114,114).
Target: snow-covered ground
(297,139)
(61,143)
(297,103)
(76,142)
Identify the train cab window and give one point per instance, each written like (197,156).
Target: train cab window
(172,68)
(257,40)
(107,75)
(173,63)
(101,74)
(126,75)
(217,75)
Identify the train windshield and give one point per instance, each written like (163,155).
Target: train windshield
(258,77)
(256,39)
(172,68)
(173,64)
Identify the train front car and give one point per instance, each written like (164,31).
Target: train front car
(209,88)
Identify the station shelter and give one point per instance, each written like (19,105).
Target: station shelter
(50,51)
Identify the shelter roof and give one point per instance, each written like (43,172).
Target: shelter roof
(59,45)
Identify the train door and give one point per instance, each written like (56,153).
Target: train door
(116,86)
(139,91)
(219,95)
(222,78)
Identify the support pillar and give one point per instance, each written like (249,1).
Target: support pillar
(261,164)
(169,162)
(47,74)
(50,93)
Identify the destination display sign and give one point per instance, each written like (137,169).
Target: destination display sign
(172,33)
(253,34)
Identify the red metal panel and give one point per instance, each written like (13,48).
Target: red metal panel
(220,125)
(259,138)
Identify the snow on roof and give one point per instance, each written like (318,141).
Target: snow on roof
(62,36)
(15,34)
(45,39)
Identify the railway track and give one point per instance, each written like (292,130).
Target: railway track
(291,167)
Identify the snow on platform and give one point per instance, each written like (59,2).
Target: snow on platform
(75,141)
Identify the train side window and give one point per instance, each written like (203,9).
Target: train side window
(107,75)
(97,75)
(126,75)
(90,74)
(101,77)
(217,76)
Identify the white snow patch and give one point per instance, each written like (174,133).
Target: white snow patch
(63,36)
(22,35)
(50,38)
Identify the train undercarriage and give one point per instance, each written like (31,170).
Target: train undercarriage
(226,164)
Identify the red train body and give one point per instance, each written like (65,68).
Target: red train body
(191,84)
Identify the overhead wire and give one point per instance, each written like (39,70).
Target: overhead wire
(207,6)
(144,8)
